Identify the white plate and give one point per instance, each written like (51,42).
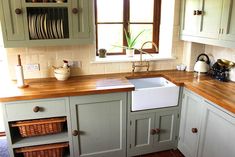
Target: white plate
(42,26)
(58,28)
(54,29)
(62,28)
(45,26)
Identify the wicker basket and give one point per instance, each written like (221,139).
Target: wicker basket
(40,127)
(51,150)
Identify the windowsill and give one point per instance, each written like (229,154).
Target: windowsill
(124,58)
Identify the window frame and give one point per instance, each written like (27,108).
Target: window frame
(125,23)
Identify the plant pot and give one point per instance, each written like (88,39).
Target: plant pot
(130,52)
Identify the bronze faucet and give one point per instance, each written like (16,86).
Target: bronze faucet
(141,62)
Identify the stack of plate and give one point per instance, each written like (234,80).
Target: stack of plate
(41,27)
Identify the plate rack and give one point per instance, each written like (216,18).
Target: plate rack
(47,23)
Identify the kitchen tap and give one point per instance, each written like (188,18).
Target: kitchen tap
(141,62)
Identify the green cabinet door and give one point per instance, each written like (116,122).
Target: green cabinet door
(189,20)
(82,21)
(210,18)
(141,135)
(190,124)
(14,25)
(99,125)
(165,125)
(152,132)
(228,21)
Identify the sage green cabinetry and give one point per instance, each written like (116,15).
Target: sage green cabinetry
(228,21)
(205,128)
(208,21)
(217,137)
(14,25)
(24,111)
(152,130)
(99,125)
(26,23)
(191,113)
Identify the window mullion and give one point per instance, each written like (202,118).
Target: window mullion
(126,18)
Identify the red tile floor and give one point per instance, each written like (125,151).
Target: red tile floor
(169,153)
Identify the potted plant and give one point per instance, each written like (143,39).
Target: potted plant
(131,42)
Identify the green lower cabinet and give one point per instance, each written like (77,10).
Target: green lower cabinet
(152,132)
(99,125)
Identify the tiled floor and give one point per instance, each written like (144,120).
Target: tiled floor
(169,153)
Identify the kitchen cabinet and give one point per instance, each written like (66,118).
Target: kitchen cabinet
(13,21)
(208,21)
(28,23)
(205,129)
(228,21)
(190,121)
(99,125)
(201,18)
(217,134)
(152,131)
(29,111)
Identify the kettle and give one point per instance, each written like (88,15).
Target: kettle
(202,65)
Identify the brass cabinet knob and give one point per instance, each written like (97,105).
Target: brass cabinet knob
(36,109)
(75,132)
(194,130)
(153,132)
(75,10)
(18,11)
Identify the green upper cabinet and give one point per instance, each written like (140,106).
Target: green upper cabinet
(14,25)
(81,17)
(201,18)
(208,22)
(26,23)
(210,16)
(189,20)
(228,21)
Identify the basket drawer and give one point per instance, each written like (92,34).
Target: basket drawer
(40,127)
(36,109)
(51,150)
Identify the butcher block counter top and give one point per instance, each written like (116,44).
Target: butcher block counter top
(220,93)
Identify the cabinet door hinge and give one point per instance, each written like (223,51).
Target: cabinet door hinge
(178,115)
(130,122)
(183,96)
(130,146)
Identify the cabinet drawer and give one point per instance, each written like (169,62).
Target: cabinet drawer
(36,109)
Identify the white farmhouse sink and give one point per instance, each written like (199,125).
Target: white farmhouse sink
(151,93)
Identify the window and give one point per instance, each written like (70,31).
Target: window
(113,16)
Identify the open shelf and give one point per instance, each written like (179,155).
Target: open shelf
(40,140)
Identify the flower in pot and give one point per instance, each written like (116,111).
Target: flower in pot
(131,42)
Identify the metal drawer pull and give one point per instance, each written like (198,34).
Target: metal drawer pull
(18,11)
(194,130)
(153,132)
(36,109)
(75,132)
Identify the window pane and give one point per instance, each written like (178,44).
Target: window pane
(110,35)
(110,10)
(145,36)
(141,10)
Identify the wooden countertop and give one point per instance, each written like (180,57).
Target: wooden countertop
(220,93)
